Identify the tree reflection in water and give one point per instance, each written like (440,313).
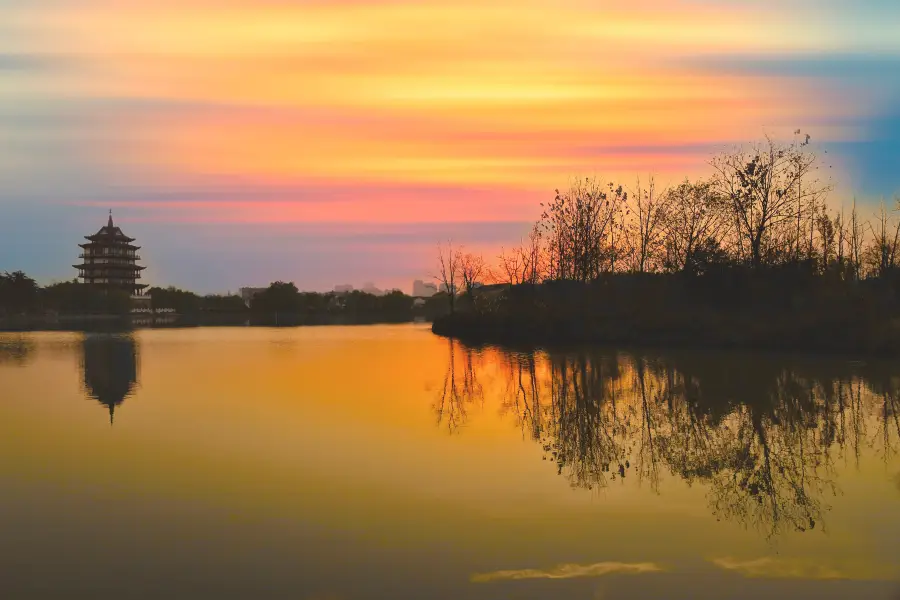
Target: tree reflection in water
(762,434)
(15,349)
(460,388)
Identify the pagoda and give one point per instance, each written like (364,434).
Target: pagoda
(109,260)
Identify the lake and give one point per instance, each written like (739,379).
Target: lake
(328,463)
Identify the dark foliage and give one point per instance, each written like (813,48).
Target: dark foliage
(188,303)
(283,303)
(77,298)
(18,292)
(20,295)
(788,307)
(25,305)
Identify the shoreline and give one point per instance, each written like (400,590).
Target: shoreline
(169,321)
(477,331)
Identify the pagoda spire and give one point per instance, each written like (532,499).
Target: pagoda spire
(110,223)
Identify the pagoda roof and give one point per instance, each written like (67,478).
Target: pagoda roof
(109,232)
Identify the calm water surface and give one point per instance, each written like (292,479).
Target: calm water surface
(383,462)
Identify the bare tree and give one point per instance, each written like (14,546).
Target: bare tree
(581,227)
(533,257)
(827,229)
(856,242)
(471,271)
(882,256)
(448,268)
(512,266)
(695,215)
(767,186)
(525,263)
(840,227)
(647,229)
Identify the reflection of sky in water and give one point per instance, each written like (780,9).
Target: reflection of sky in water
(321,461)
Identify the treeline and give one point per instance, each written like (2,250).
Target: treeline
(758,238)
(281,302)
(764,206)
(188,303)
(21,295)
(284,303)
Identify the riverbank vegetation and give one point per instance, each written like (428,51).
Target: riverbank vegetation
(756,255)
(20,295)
(25,304)
(283,302)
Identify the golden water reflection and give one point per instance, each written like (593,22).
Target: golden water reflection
(761,433)
(385,462)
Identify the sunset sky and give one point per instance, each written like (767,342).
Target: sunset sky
(329,142)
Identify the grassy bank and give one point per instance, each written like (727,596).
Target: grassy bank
(775,311)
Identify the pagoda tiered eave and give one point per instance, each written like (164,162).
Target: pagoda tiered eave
(102,241)
(108,266)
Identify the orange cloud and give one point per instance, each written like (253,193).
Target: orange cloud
(569,571)
(506,95)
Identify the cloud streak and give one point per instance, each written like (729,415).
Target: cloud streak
(799,568)
(570,571)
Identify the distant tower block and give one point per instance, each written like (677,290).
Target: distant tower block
(109,260)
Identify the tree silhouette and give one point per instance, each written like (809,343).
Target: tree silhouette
(449,261)
(770,188)
(18,292)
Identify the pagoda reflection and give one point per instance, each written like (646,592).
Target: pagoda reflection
(110,365)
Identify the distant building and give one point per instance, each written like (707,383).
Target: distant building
(343,289)
(369,288)
(109,261)
(247,294)
(423,290)
(445,288)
